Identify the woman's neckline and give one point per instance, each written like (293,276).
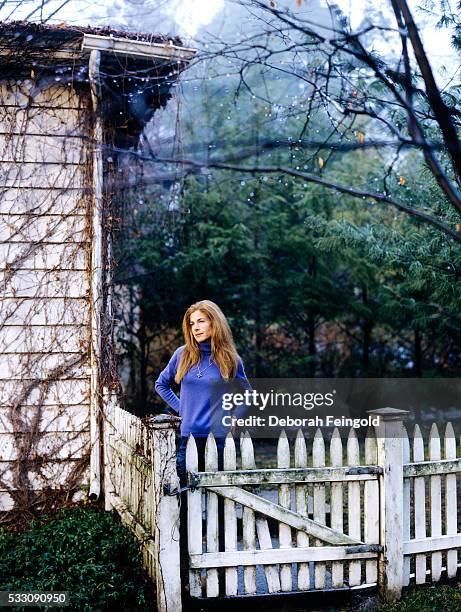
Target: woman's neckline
(205,346)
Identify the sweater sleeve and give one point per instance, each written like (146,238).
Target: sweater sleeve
(244,384)
(166,379)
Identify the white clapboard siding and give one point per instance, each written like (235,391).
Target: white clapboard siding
(61,392)
(41,120)
(26,148)
(44,176)
(230,517)
(27,256)
(23,419)
(435,483)
(284,496)
(248,517)
(212,533)
(48,284)
(53,474)
(371,507)
(301,503)
(44,311)
(336,505)
(318,460)
(450,500)
(354,509)
(38,366)
(46,228)
(406,508)
(44,339)
(194,518)
(67,201)
(26,94)
(58,445)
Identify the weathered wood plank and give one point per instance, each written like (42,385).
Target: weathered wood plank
(59,445)
(406,508)
(318,460)
(47,418)
(212,532)
(336,504)
(42,120)
(48,284)
(41,366)
(194,519)
(264,537)
(451,504)
(31,393)
(26,94)
(278,513)
(288,476)
(46,474)
(284,498)
(44,311)
(24,201)
(39,175)
(48,229)
(353,508)
(432,544)
(371,507)
(279,555)
(27,256)
(419,496)
(301,501)
(44,339)
(230,517)
(248,516)
(432,468)
(26,147)
(435,484)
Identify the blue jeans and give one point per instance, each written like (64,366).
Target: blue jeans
(200,442)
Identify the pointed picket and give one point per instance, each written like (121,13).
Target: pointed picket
(451,500)
(212,532)
(419,502)
(248,518)
(283,461)
(371,506)
(194,518)
(436,502)
(353,488)
(318,460)
(406,508)
(301,500)
(265,543)
(230,517)
(336,505)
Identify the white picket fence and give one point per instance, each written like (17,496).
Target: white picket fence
(140,461)
(349,515)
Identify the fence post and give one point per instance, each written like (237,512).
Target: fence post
(165,522)
(389,438)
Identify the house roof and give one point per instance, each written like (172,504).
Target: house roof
(136,70)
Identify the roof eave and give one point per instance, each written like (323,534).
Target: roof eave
(136,48)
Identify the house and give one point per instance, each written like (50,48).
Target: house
(71,98)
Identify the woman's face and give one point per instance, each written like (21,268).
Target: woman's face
(200,325)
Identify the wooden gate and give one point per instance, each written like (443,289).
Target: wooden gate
(326,518)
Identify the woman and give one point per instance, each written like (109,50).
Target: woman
(207,359)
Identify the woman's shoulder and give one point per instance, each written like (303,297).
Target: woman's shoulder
(178,351)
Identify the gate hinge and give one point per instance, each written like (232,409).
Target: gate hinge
(193,482)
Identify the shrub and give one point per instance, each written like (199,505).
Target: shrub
(85,551)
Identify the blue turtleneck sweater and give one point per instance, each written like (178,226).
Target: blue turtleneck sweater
(196,391)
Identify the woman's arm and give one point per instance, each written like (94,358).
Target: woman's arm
(166,379)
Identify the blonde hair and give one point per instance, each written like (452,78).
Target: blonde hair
(223,349)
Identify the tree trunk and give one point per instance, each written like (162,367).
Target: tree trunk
(418,353)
